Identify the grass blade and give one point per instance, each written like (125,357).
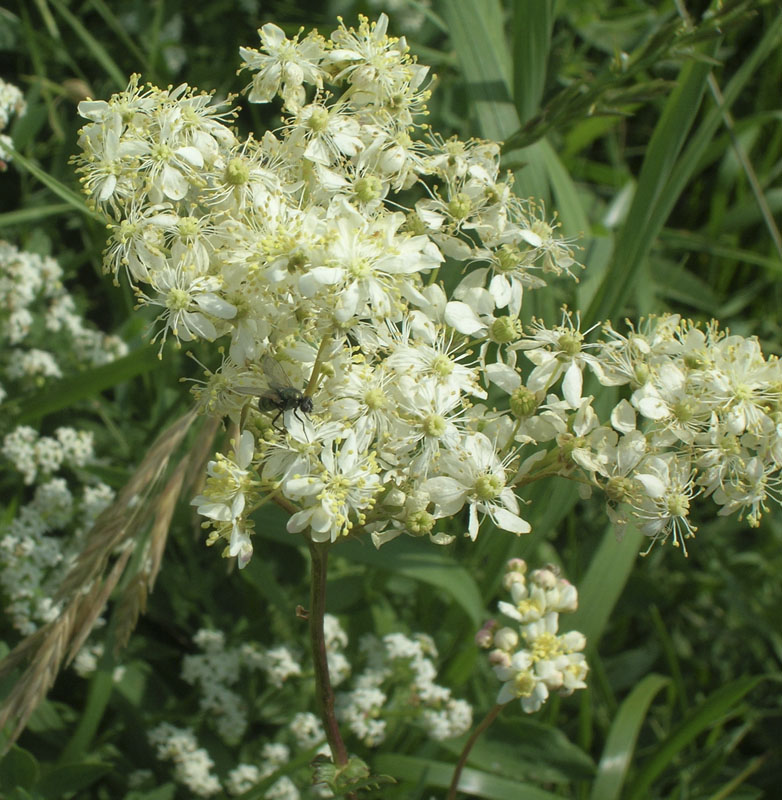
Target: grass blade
(599,590)
(709,712)
(637,234)
(620,745)
(83,385)
(98,51)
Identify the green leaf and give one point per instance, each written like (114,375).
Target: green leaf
(599,590)
(62,191)
(483,55)
(62,780)
(473,782)
(566,196)
(638,233)
(119,29)
(165,792)
(710,711)
(523,748)
(676,283)
(411,558)
(26,216)
(98,51)
(664,175)
(419,560)
(531,32)
(101,688)
(18,770)
(620,745)
(69,391)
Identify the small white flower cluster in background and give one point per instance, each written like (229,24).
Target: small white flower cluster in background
(218,671)
(42,335)
(32,454)
(533,660)
(398,683)
(45,531)
(193,766)
(86,661)
(11,102)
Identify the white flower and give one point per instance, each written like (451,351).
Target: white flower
(557,352)
(337,493)
(520,682)
(228,483)
(475,475)
(187,299)
(284,67)
(665,502)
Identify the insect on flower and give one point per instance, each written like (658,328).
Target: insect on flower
(280,395)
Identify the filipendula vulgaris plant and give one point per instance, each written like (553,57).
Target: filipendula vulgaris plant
(313,255)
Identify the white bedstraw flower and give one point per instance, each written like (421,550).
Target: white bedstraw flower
(520,682)
(474,474)
(337,493)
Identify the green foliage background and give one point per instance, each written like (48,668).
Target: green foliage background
(659,143)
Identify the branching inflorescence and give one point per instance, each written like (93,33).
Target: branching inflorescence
(322,245)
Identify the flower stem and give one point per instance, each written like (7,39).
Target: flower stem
(324,694)
(457,773)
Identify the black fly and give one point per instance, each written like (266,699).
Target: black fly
(281,395)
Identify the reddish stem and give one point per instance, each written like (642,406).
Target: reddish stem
(457,773)
(324,694)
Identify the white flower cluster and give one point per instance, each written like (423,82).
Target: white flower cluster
(87,659)
(47,531)
(11,102)
(33,454)
(398,682)
(703,415)
(274,756)
(316,251)
(37,314)
(534,660)
(218,671)
(193,765)
(307,247)
(306,732)
(43,531)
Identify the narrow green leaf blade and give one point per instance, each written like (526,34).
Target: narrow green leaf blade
(99,52)
(62,191)
(483,56)
(473,782)
(70,390)
(434,568)
(620,745)
(709,712)
(531,32)
(637,234)
(605,579)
